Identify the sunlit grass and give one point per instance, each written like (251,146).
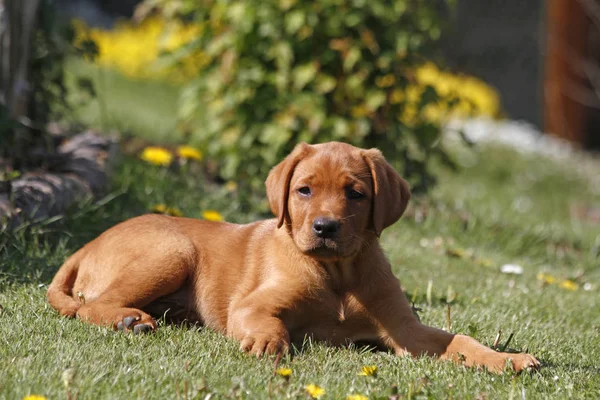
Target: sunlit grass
(144,107)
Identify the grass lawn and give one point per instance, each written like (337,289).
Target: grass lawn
(501,208)
(145,107)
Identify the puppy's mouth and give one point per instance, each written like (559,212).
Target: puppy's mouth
(324,248)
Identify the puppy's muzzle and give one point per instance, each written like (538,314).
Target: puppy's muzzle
(326,228)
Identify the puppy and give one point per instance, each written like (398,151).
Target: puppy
(314,270)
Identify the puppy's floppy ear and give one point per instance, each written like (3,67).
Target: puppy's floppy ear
(390,191)
(278,182)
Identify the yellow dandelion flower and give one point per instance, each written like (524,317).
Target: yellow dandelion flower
(314,391)
(356,397)
(284,372)
(159,208)
(189,153)
(569,285)
(163,209)
(546,278)
(34,397)
(212,215)
(368,370)
(231,186)
(157,156)
(456,252)
(484,262)
(175,212)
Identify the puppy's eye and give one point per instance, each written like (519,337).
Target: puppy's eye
(354,194)
(304,191)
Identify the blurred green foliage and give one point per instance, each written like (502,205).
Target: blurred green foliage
(278,72)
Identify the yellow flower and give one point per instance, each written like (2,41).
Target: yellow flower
(212,215)
(157,155)
(569,285)
(546,278)
(144,43)
(284,372)
(484,262)
(231,186)
(159,208)
(189,152)
(163,209)
(368,370)
(397,96)
(359,111)
(314,391)
(356,397)
(385,81)
(34,397)
(175,212)
(456,252)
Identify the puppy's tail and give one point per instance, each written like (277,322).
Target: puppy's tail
(60,291)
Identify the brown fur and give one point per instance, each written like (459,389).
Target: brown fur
(273,282)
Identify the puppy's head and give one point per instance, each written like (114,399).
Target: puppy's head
(332,196)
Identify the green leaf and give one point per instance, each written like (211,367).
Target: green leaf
(375,99)
(428,96)
(325,83)
(283,54)
(402,41)
(294,21)
(353,19)
(340,128)
(303,75)
(427,135)
(237,12)
(352,58)
(354,84)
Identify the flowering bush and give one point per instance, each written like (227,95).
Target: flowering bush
(146,42)
(283,71)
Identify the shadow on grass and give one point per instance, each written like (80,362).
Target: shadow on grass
(33,252)
(572,367)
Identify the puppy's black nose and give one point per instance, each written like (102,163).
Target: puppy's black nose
(325,228)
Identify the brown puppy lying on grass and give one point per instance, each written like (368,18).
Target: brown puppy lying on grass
(316,269)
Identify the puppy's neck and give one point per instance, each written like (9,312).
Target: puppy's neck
(341,274)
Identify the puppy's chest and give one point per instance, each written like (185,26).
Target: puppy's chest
(332,317)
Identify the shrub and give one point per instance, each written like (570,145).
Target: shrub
(277,72)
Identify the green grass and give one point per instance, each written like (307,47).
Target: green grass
(480,210)
(146,107)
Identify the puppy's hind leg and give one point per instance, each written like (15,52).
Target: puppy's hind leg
(120,305)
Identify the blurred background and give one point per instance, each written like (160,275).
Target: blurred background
(236,84)
(542,57)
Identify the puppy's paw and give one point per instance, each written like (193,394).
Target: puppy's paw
(260,343)
(524,362)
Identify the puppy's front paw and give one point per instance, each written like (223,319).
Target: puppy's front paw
(523,362)
(259,343)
